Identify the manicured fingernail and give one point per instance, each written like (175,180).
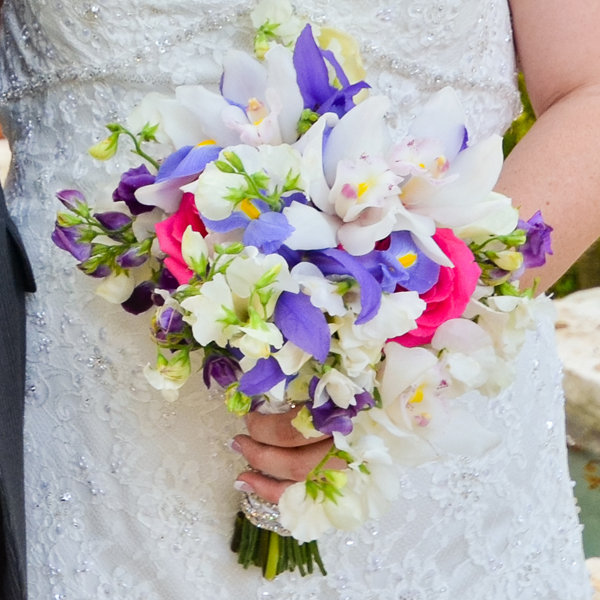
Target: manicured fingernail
(235,446)
(242,486)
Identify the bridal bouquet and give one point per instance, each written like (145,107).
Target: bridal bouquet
(309,258)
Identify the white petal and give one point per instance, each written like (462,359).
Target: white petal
(313,230)
(362,130)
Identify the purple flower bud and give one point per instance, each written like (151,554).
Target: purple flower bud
(131,258)
(222,369)
(167,281)
(113,221)
(170,321)
(131,181)
(141,298)
(538,242)
(70,198)
(100,272)
(67,238)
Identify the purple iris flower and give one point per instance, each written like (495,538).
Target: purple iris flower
(67,238)
(262,377)
(338,262)
(538,242)
(313,78)
(113,221)
(402,264)
(267,232)
(220,368)
(131,181)
(303,324)
(329,417)
(141,298)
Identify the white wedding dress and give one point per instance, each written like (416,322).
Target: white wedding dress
(130,497)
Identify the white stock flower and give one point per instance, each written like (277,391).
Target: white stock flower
(280,12)
(337,386)
(323,293)
(116,288)
(468,353)
(168,376)
(194,249)
(208,310)
(250,266)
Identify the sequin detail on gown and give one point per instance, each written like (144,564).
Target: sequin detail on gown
(131,498)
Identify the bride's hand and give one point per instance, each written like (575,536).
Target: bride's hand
(279,453)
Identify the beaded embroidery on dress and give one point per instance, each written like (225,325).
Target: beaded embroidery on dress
(130,497)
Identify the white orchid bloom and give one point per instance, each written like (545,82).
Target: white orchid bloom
(421,424)
(361,131)
(260,103)
(208,312)
(313,229)
(310,145)
(360,184)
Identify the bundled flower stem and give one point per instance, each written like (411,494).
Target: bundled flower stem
(272,552)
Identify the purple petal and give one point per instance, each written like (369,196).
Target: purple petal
(329,417)
(385,265)
(132,180)
(187,161)
(311,71)
(538,242)
(268,232)
(338,262)
(167,281)
(113,220)
(303,324)
(67,238)
(70,198)
(222,369)
(262,377)
(131,259)
(141,298)
(100,272)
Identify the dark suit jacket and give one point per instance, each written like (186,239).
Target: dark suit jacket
(15,279)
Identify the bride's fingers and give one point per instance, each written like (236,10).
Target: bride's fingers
(284,463)
(266,487)
(277,430)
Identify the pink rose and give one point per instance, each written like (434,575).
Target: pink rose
(449,297)
(170,231)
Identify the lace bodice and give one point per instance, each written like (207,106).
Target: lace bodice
(130,497)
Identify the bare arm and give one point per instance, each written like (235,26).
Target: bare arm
(556,167)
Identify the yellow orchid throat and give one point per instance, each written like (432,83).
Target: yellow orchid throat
(249,209)
(408,259)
